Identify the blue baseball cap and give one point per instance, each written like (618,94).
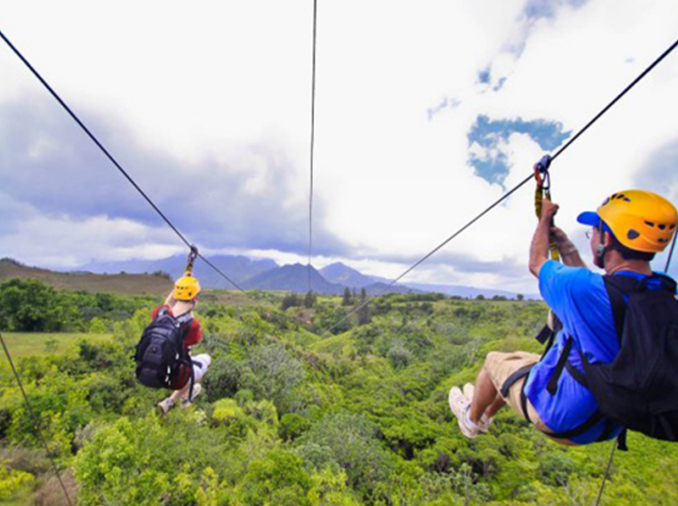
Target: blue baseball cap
(589,218)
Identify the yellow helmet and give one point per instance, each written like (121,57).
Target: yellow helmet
(640,220)
(186,288)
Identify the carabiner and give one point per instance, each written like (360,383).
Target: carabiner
(192,255)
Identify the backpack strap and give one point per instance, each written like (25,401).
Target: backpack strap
(617,291)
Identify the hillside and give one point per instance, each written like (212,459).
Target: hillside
(125,284)
(292,415)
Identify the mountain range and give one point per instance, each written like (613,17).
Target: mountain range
(266,274)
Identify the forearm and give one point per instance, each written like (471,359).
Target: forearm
(570,255)
(539,247)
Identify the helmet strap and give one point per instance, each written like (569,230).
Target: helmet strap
(601,249)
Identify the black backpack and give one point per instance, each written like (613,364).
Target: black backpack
(639,389)
(161,352)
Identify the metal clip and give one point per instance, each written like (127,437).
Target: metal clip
(191,258)
(541,172)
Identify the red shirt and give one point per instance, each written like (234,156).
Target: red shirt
(192,335)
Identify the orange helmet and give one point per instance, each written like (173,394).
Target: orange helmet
(640,220)
(186,288)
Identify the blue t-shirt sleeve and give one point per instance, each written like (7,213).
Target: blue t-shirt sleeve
(560,285)
(564,288)
(578,297)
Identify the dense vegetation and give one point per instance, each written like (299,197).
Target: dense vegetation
(33,306)
(294,416)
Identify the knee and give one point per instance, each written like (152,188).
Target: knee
(489,359)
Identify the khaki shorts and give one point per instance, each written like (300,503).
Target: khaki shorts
(502,365)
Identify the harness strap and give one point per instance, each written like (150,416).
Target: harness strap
(511,380)
(552,385)
(545,334)
(607,431)
(523,404)
(596,417)
(578,376)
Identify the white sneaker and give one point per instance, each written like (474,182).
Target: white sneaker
(460,406)
(484,422)
(165,405)
(185,402)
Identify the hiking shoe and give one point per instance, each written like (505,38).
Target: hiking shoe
(185,402)
(165,405)
(484,422)
(460,407)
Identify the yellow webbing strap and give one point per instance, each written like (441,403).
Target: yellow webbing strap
(540,194)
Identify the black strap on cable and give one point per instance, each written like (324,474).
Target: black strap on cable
(36,420)
(310,195)
(514,189)
(110,157)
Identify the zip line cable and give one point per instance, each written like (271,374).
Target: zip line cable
(513,190)
(394,281)
(607,471)
(110,157)
(36,420)
(310,196)
(143,194)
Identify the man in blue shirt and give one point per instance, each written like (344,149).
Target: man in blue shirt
(627,230)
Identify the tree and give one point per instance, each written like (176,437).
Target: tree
(276,372)
(290,300)
(347,300)
(364,311)
(310,299)
(33,306)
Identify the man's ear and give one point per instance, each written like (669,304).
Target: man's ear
(606,239)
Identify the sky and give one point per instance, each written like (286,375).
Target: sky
(426,113)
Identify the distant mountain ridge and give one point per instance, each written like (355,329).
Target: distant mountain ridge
(344,275)
(293,278)
(238,268)
(266,274)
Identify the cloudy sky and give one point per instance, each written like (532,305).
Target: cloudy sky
(426,112)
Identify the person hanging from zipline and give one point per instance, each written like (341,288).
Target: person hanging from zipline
(163,354)
(612,365)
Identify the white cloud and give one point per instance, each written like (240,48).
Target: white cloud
(58,241)
(201,82)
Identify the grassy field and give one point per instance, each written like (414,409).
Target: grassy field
(30,344)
